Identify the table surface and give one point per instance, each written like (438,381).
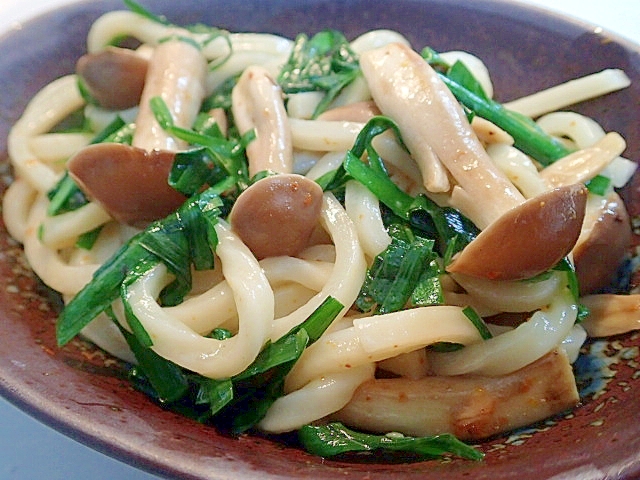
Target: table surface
(31,450)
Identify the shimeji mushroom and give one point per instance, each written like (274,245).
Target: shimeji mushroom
(130,182)
(278,213)
(114,77)
(520,238)
(472,407)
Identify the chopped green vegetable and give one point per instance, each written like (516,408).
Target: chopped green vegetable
(335,439)
(478,322)
(322,63)
(223,154)
(565,265)
(240,402)
(599,185)
(527,135)
(395,273)
(140,10)
(446,225)
(164,241)
(87,240)
(168,381)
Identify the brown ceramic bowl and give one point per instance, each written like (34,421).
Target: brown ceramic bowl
(82,392)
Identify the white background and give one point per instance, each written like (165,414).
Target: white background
(30,450)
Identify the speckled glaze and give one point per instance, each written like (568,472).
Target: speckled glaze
(84,393)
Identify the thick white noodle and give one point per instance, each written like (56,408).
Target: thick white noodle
(348,272)
(212,308)
(363,207)
(356,91)
(120,23)
(62,231)
(569,93)
(16,206)
(303,105)
(323,135)
(48,107)
(376,39)
(99,118)
(319,398)
(476,66)
(379,337)
(56,148)
(47,263)
(209,357)
(511,296)
(519,168)
(327,163)
(512,350)
(105,334)
(573,342)
(237,63)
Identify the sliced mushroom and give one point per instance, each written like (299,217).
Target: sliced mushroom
(526,240)
(277,215)
(114,77)
(603,243)
(129,183)
(408,90)
(471,407)
(257,104)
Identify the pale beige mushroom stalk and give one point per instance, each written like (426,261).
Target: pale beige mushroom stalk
(430,118)
(277,214)
(130,182)
(257,104)
(472,407)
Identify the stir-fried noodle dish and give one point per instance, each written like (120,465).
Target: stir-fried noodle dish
(347,238)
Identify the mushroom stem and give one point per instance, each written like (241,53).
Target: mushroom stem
(469,406)
(257,104)
(408,90)
(177,74)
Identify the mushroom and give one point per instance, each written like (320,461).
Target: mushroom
(611,314)
(278,214)
(471,407)
(177,73)
(603,243)
(527,240)
(408,90)
(114,77)
(257,104)
(131,182)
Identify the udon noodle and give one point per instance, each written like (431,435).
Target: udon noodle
(378,371)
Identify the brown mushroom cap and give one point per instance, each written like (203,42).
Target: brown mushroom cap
(526,240)
(130,183)
(115,77)
(605,246)
(277,214)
